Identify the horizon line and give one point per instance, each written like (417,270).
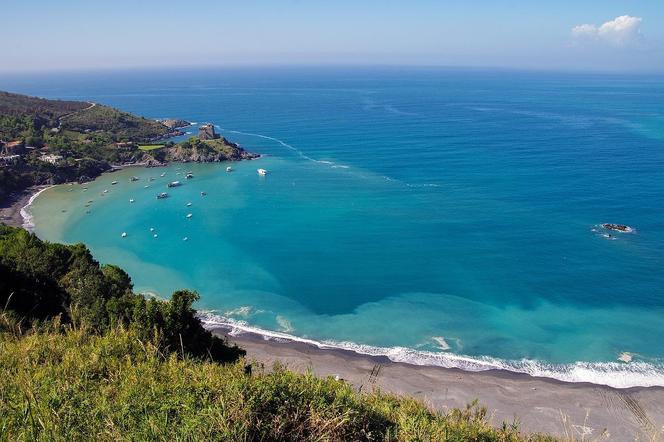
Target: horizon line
(239,66)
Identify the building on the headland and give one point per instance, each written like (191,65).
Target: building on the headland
(9,160)
(206,132)
(12,148)
(51,158)
(125,145)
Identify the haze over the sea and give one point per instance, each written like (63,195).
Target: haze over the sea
(424,212)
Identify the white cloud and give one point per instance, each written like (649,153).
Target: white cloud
(620,31)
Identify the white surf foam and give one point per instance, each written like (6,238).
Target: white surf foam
(613,374)
(26,214)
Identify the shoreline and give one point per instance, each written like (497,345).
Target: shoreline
(13,210)
(569,409)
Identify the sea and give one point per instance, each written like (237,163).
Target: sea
(437,216)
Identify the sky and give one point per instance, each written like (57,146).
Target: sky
(580,35)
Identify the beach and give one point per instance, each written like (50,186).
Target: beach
(576,410)
(11,209)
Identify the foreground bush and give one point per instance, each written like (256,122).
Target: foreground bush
(82,386)
(40,281)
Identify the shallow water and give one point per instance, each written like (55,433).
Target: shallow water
(419,213)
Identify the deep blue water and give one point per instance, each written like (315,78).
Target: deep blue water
(423,213)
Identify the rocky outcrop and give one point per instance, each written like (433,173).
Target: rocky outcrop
(175,123)
(618,227)
(208,151)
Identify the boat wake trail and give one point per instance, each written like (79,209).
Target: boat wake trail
(282,143)
(329,163)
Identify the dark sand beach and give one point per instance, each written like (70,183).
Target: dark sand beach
(10,208)
(576,410)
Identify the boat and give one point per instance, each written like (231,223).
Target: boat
(185,239)
(155,235)
(163,174)
(189,215)
(114,183)
(124,234)
(203,193)
(134,178)
(174,184)
(162,195)
(151,179)
(188,204)
(151,229)
(105,191)
(131,200)
(229,169)
(189,175)
(262,172)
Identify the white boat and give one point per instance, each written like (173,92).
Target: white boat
(155,235)
(203,193)
(131,200)
(151,229)
(229,169)
(114,183)
(189,175)
(134,178)
(188,204)
(105,191)
(163,174)
(185,239)
(262,172)
(124,234)
(189,215)
(174,184)
(162,195)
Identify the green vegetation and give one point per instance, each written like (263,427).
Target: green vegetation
(83,133)
(124,126)
(149,147)
(91,138)
(15,105)
(40,281)
(77,385)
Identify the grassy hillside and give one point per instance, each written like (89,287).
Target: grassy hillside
(77,385)
(123,125)
(21,105)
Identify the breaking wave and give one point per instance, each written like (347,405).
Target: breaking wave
(612,374)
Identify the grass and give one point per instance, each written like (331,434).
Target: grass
(149,147)
(75,385)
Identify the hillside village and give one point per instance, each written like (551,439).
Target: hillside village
(54,141)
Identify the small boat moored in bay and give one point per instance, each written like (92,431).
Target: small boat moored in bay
(162,195)
(174,184)
(262,172)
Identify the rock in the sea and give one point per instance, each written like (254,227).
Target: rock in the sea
(618,227)
(175,124)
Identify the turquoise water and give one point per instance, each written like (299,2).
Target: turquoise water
(436,216)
